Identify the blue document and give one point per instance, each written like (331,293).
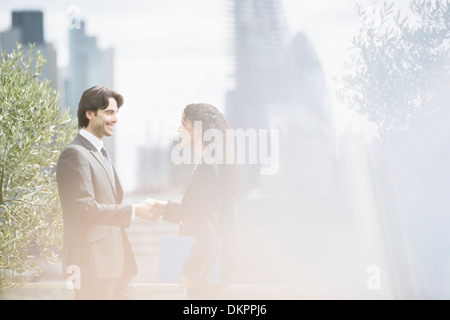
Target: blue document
(173,253)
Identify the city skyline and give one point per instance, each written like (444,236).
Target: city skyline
(161,67)
(341,210)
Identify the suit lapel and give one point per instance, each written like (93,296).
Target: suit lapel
(102,161)
(118,188)
(194,177)
(99,157)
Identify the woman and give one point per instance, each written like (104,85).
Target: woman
(206,211)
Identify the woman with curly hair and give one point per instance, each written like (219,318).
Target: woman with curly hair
(207,209)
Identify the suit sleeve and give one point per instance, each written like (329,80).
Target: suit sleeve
(172,212)
(76,190)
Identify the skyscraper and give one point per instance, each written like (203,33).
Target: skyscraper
(32,25)
(258,43)
(278,83)
(88,66)
(28,28)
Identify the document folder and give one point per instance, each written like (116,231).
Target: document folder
(173,253)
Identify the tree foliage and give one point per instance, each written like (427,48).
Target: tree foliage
(400,65)
(32,132)
(399,77)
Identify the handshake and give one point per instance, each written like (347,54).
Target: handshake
(150,209)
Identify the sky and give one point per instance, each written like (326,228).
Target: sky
(174,52)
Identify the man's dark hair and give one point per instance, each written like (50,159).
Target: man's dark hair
(93,99)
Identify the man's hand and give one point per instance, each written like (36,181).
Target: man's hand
(143,210)
(158,208)
(150,209)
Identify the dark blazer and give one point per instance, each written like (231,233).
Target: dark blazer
(93,214)
(202,214)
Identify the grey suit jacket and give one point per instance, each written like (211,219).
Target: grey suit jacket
(94,217)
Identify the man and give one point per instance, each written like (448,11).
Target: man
(95,241)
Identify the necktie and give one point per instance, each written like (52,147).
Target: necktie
(108,162)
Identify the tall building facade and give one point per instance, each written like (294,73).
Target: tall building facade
(277,82)
(258,40)
(88,66)
(31,24)
(28,28)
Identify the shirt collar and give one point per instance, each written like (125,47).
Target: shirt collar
(96,142)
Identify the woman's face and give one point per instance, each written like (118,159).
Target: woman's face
(186,131)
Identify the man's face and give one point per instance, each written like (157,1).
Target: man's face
(102,123)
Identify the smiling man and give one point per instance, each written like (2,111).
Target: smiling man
(95,241)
